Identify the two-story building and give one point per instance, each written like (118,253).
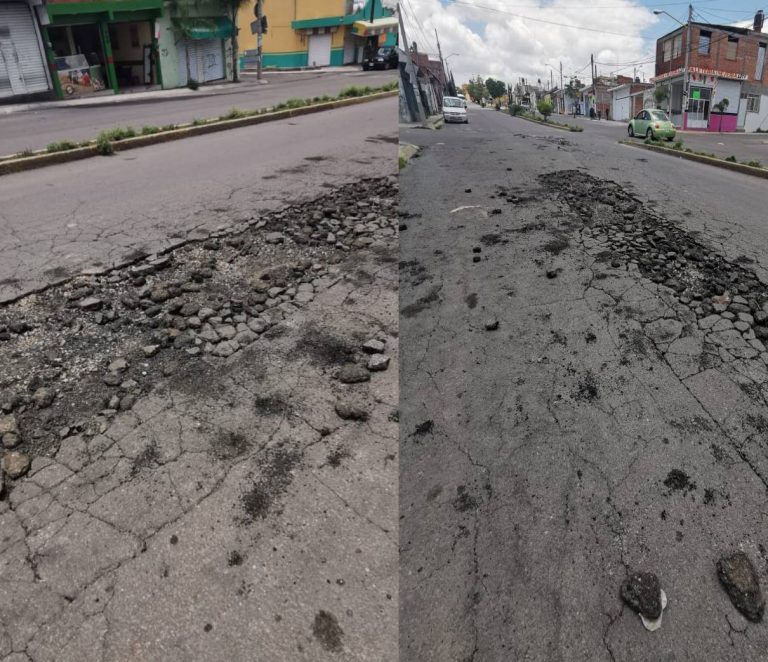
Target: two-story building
(725,63)
(318,33)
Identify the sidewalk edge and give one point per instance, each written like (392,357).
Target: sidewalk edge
(707,160)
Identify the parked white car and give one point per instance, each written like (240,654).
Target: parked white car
(455,110)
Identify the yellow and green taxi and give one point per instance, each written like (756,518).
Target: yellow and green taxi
(651,124)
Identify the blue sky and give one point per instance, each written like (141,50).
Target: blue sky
(492,37)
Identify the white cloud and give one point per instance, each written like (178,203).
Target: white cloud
(493,43)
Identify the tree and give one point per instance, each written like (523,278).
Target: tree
(573,90)
(477,90)
(545,108)
(659,94)
(496,88)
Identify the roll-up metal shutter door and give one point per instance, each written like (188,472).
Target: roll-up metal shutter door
(186,49)
(206,60)
(22,62)
(210,59)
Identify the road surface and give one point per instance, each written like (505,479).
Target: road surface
(63,219)
(190,476)
(35,129)
(567,418)
(744,146)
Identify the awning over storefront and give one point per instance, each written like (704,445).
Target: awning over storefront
(205,28)
(375,27)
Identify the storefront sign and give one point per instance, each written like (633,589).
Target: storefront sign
(717,74)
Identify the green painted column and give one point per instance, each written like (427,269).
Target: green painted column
(111,73)
(51,58)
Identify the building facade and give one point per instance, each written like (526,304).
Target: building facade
(627,100)
(727,81)
(317,33)
(23,64)
(95,46)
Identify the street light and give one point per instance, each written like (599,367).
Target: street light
(658,12)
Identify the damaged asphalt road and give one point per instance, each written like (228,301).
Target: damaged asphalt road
(585,401)
(179,481)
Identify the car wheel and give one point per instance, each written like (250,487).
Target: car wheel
(649,134)
(670,139)
(631,131)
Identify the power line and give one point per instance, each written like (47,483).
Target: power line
(666,4)
(548,22)
(416,23)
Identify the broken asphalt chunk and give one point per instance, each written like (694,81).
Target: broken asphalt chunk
(352,373)
(739,578)
(350,412)
(15,465)
(641,591)
(378,362)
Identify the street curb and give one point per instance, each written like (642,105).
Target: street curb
(552,126)
(406,151)
(707,160)
(11,166)
(434,122)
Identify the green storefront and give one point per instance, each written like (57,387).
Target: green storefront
(94,46)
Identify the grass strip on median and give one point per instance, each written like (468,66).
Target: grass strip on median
(516,111)
(754,168)
(106,142)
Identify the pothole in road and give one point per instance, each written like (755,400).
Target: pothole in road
(79,353)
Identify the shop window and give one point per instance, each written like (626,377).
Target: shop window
(760,62)
(705,40)
(753,103)
(732,48)
(134,36)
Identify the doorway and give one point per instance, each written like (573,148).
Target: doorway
(319,50)
(698,107)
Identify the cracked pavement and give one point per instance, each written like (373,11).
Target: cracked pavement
(605,427)
(101,212)
(229,513)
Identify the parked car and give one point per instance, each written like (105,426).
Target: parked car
(455,110)
(384,58)
(651,124)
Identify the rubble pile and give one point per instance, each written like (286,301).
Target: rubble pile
(728,300)
(715,317)
(78,353)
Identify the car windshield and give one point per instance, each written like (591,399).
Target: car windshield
(384,51)
(659,115)
(451,102)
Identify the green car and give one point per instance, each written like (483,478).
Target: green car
(651,124)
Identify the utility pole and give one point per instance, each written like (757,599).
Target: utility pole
(442,62)
(420,115)
(685,69)
(594,89)
(259,36)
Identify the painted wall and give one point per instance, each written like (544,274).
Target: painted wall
(285,47)
(281,38)
(722,123)
(759,120)
(168,57)
(727,89)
